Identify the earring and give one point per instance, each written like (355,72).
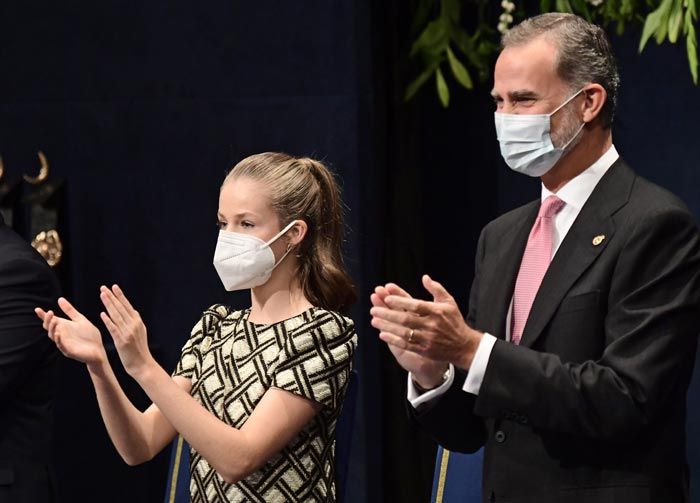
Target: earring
(289,247)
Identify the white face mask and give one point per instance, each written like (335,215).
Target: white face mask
(244,261)
(526,142)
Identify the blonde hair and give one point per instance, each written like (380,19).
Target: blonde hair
(304,189)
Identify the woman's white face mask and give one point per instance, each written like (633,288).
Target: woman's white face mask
(244,261)
(526,141)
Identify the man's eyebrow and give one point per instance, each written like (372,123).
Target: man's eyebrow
(523,94)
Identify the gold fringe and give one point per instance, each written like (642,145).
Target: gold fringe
(176,469)
(443,475)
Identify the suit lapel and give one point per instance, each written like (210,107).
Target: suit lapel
(578,250)
(510,249)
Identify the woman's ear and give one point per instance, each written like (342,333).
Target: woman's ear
(297,232)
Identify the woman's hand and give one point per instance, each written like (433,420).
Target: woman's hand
(127,329)
(76,337)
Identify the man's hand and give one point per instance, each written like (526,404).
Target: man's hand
(434,330)
(426,373)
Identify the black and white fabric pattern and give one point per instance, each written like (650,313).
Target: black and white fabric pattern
(233,362)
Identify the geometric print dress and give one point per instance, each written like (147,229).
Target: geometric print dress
(232,362)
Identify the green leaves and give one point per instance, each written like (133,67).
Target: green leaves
(581,8)
(435,43)
(444,39)
(691,41)
(414,86)
(656,23)
(691,45)
(671,19)
(564,6)
(674,22)
(458,70)
(432,40)
(443,91)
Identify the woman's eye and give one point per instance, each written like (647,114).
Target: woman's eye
(220,224)
(247,225)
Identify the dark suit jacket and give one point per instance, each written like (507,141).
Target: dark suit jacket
(591,406)
(27,373)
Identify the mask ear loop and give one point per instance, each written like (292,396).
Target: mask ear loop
(280,233)
(276,237)
(566,102)
(559,108)
(572,138)
(289,249)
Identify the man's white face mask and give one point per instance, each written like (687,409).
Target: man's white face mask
(526,141)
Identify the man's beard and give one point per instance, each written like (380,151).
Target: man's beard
(568,131)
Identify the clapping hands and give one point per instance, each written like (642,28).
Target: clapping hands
(77,338)
(423,335)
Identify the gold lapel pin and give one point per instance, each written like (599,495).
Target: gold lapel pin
(598,239)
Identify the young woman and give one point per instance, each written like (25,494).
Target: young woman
(257,392)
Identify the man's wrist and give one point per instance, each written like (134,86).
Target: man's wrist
(424,383)
(465,359)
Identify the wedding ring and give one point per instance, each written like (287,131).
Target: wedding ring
(410,336)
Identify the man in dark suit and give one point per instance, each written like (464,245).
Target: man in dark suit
(572,367)
(28,362)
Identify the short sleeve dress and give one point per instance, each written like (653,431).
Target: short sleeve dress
(232,362)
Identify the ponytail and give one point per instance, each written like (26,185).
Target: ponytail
(323,277)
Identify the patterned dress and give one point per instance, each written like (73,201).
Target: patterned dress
(232,362)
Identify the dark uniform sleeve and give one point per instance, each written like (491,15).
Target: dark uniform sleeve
(25,283)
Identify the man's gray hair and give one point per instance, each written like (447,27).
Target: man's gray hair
(584,53)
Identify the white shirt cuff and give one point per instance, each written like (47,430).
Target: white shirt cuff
(416,398)
(475,376)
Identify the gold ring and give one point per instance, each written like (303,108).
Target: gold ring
(410,336)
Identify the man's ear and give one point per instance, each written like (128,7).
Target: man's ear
(297,233)
(595,97)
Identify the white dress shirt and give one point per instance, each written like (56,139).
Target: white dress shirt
(575,194)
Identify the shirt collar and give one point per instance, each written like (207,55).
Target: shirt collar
(575,193)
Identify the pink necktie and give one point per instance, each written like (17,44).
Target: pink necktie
(536,259)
